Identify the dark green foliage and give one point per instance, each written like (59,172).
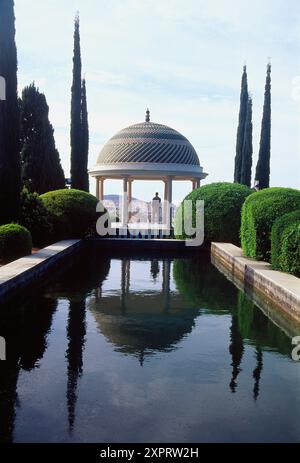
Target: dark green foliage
(10,182)
(289,259)
(259,213)
(263,165)
(84,139)
(72,212)
(247,152)
(35,217)
(41,167)
(241,127)
(278,229)
(79,121)
(15,241)
(76,131)
(222,211)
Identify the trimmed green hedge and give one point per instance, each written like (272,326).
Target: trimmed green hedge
(35,217)
(72,213)
(222,211)
(278,229)
(259,213)
(15,241)
(289,259)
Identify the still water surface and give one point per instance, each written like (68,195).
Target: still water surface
(153,350)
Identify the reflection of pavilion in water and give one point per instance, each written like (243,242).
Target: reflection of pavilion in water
(141,321)
(136,322)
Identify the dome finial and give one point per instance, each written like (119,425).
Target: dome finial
(147,115)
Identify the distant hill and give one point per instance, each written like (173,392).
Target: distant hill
(113,204)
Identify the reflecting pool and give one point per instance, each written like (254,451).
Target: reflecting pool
(115,349)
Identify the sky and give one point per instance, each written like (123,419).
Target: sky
(183,59)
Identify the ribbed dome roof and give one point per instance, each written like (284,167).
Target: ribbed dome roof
(148,142)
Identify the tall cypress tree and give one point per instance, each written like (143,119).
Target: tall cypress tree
(41,167)
(247,152)
(76,129)
(10,181)
(85,138)
(241,127)
(263,165)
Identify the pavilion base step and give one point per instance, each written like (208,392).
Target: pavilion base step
(144,234)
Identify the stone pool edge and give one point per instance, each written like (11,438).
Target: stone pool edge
(281,289)
(22,272)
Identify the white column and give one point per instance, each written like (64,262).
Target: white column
(170,197)
(101,189)
(130,181)
(165,205)
(125,202)
(97,188)
(196,183)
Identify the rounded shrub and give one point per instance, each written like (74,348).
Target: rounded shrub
(72,213)
(277,233)
(15,242)
(222,211)
(259,213)
(35,217)
(289,258)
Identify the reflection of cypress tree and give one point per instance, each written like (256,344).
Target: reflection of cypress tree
(9,373)
(76,331)
(257,372)
(124,279)
(35,331)
(154,268)
(236,350)
(166,284)
(142,358)
(26,338)
(255,326)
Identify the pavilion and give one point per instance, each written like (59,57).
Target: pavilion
(147,151)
